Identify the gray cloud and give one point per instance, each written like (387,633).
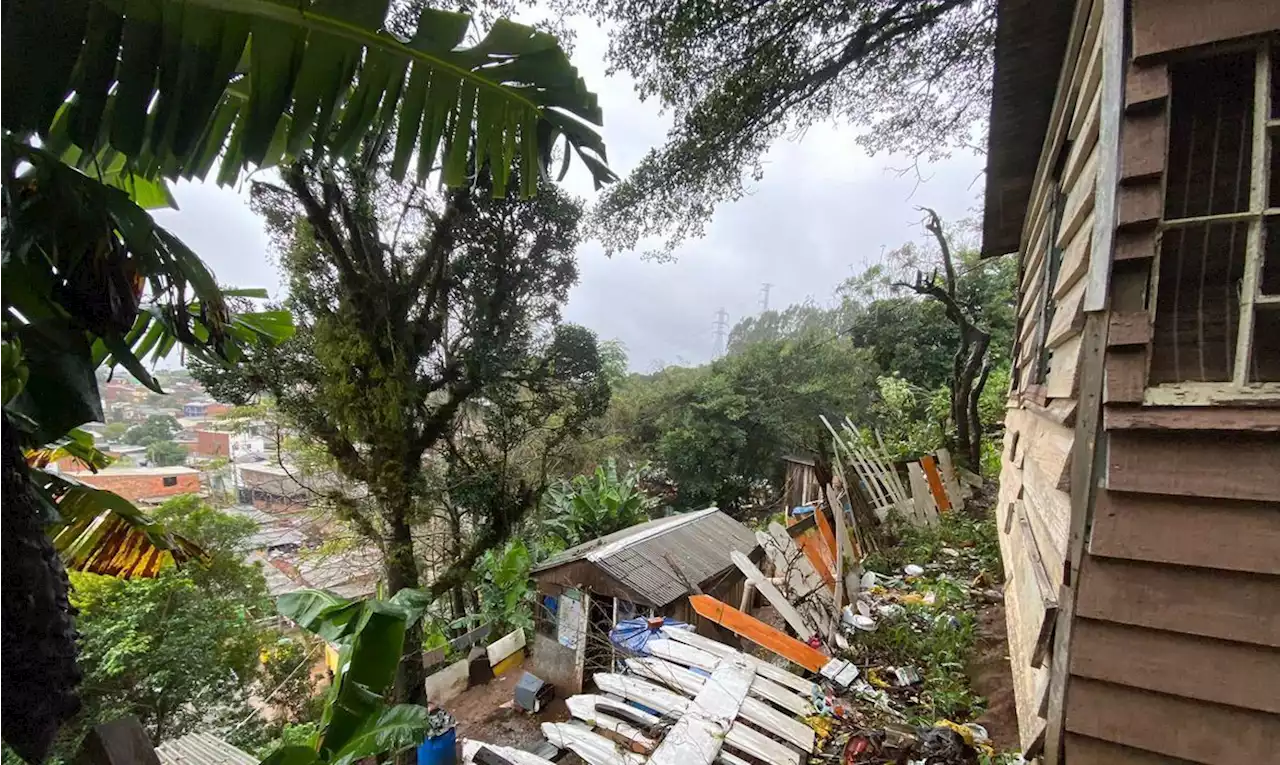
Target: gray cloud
(824,210)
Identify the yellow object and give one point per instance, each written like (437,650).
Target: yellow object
(821,725)
(873,677)
(509,663)
(331,657)
(964,732)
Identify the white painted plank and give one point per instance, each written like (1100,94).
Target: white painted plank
(471,746)
(592,747)
(742,737)
(761,687)
(505,646)
(788,612)
(583,707)
(697,736)
(753,710)
(763,668)
(926,510)
(949,477)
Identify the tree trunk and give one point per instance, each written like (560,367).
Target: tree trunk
(38,669)
(401,571)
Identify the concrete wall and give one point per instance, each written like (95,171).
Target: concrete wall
(448,682)
(560,666)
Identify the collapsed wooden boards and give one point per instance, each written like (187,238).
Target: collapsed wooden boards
(753,710)
(758,632)
(593,710)
(761,687)
(763,668)
(806,588)
(472,747)
(949,476)
(788,612)
(592,747)
(697,736)
(740,736)
(926,510)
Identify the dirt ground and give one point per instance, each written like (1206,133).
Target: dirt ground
(990,676)
(486,712)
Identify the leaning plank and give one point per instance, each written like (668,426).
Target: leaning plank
(588,708)
(803,584)
(798,623)
(591,747)
(742,737)
(471,753)
(753,710)
(758,632)
(763,668)
(505,646)
(935,483)
(1043,586)
(948,472)
(926,511)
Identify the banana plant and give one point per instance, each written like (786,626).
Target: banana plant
(179,87)
(357,721)
(592,506)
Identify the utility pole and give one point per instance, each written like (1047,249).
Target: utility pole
(764,297)
(722,327)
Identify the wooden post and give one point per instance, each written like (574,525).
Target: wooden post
(748,596)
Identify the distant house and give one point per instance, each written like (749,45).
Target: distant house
(1133,169)
(148,485)
(645,570)
(211,443)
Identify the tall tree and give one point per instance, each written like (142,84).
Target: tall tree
(912,75)
(412,306)
(959,292)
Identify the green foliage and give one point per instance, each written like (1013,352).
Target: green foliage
(504,590)
(166,453)
(589,507)
(357,721)
(240,67)
(724,435)
(910,420)
(178,650)
(911,77)
(114,431)
(157,427)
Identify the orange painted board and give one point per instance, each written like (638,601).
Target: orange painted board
(812,547)
(759,633)
(935,483)
(828,534)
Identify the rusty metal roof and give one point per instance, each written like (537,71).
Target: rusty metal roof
(658,559)
(202,749)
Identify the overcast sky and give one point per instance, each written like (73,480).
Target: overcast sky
(824,210)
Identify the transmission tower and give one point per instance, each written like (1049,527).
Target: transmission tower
(764,296)
(722,328)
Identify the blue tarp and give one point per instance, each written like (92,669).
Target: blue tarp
(802,510)
(634,634)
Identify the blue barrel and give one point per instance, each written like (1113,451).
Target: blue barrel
(439,750)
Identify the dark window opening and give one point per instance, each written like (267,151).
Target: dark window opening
(1215,244)
(546,616)
(1053,266)
(170,480)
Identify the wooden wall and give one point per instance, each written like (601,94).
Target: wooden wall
(1175,641)
(1034,510)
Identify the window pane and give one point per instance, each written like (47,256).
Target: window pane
(1210,137)
(1264,363)
(1198,303)
(1270,281)
(1273,171)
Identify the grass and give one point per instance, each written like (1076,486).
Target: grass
(961,557)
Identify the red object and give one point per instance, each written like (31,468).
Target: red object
(856,746)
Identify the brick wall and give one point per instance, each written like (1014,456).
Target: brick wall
(136,487)
(211,443)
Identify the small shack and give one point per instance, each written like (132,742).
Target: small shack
(645,570)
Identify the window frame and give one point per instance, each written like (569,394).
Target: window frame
(168,481)
(1239,388)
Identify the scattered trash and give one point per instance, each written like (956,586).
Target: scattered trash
(950,552)
(868,580)
(943,743)
(904,676)
(930,598)
(439,722)
(992,596)
(912,569)
(533,693)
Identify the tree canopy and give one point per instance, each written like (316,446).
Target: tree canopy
(911,76)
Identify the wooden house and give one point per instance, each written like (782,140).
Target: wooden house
(1134,169)
(649,569)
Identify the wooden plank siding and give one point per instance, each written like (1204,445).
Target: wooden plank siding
(1038,424)
(1173,651)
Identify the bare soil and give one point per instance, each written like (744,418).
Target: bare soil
(990,676)
(487,713)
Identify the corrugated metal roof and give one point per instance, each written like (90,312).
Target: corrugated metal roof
(655,559)
(202,749)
